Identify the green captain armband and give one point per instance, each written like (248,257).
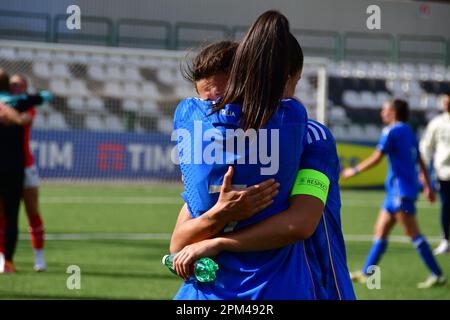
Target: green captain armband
(313,183)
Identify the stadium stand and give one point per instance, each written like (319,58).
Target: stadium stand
(98,90)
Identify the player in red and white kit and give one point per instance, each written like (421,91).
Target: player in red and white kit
(18,85)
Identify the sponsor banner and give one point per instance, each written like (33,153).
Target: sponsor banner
(101,155)
(351,154)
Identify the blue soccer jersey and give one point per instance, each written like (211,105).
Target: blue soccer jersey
(273,151)
(326,247)
(400,144)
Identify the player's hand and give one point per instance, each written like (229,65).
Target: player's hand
(348,173)
(429,194)
(183,262)
(240,204)
(8,116)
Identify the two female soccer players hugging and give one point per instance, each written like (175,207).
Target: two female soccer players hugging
(255,233)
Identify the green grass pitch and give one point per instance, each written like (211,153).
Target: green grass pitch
(118,234)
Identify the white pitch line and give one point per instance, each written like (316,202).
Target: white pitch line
(354,203)
(111,200)
(166,236)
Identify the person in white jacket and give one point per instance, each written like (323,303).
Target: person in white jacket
(435,145)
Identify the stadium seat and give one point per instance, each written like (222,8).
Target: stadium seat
(394,86)
(428,101)
(131,105)
(339,132)
(113,89)
(415,101)
(165,125)
(150,90)
(439,73)
(149,106)
(8,54)
(368,99)
(115,60)
(60,70)
(41,70)
(43,55)
(447,75)
(78,57)
(372,132)
(94,122)
(95,103)
(392,71)
(96,72)
(39,121)
(376,70)
(360,70)
(59,87)
(78,87)
(344,69)
(337,114)
(114,73)
(351,98)
(112,123)
(132,74)
(56,121)
(166,76)
(25,54)
(423,72)
(132,90)
(356,132)
(407,71)
(97,59)
(76,103)
(63,57)
(133,61)
(382,97)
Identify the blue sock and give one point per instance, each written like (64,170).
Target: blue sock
(424,250)
(378,248)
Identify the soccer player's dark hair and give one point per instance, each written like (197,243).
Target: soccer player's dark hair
(213,59)
(4,81)
(260,70)
(401,109)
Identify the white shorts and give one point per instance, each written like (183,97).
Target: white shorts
(31,177)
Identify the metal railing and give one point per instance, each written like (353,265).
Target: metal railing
(107,38)
(182,43)
(152,41)
(26,33)
(182,35)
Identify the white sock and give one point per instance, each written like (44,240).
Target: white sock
(39,257)
(2,263)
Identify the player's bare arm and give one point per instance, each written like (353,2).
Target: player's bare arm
(296,223)
(233,205)
(427,189)
(373,160)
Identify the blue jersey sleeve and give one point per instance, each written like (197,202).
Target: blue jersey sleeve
(320,151)
(385,142)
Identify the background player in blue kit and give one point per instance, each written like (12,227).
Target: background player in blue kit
(400,144)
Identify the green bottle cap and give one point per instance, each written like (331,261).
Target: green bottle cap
(164,259)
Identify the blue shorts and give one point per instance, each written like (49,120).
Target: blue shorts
(394,204)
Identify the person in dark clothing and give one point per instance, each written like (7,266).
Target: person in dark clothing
(12,162)
(12,159)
